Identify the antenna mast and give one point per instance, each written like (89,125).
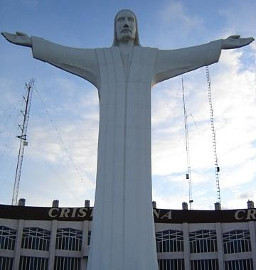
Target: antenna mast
(23,139)
(188,174)
(217,168)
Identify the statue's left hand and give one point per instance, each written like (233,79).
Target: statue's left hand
(235,41)
(19,38)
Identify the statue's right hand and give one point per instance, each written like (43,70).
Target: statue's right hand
(18,38)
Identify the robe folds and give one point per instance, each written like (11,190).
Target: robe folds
(123,236)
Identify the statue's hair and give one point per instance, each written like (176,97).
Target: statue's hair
(136,41)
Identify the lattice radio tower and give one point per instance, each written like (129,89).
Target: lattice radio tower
(23,139)
(188,173)
(217,168)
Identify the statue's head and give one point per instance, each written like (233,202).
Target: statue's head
(126,27)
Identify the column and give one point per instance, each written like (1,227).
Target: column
(84,245)
(220,246)
(52,245)
(18,245)
(253,242)
(186,246)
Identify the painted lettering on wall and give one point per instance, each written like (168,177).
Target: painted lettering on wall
(243,214)
(86,213)
(160,215)
(83,212)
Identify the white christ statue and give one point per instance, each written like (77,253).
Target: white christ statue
(123,235)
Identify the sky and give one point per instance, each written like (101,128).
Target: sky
(60,159)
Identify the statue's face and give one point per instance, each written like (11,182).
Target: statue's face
(125,26)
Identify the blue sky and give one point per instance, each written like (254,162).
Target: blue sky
(60,160)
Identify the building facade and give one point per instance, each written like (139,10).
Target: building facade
(47,238)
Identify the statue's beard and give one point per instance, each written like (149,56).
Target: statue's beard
(126,36)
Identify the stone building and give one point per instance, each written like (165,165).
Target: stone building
(40,238)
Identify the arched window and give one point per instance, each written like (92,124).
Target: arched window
(67,263)
(169,241)
(69,239)
(7,238)
(36,238)
(167,264)
(245,264)
(205,264)
(33,263)
(236,241)
(203,241)
(6,263)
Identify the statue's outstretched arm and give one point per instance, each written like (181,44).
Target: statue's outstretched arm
(81,62)
(234,41)
(18,38)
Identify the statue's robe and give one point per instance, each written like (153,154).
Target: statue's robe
(123,236)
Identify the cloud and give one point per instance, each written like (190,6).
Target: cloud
(240,18)
(239,199)
(175,13)
(178,26)
(237,176)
